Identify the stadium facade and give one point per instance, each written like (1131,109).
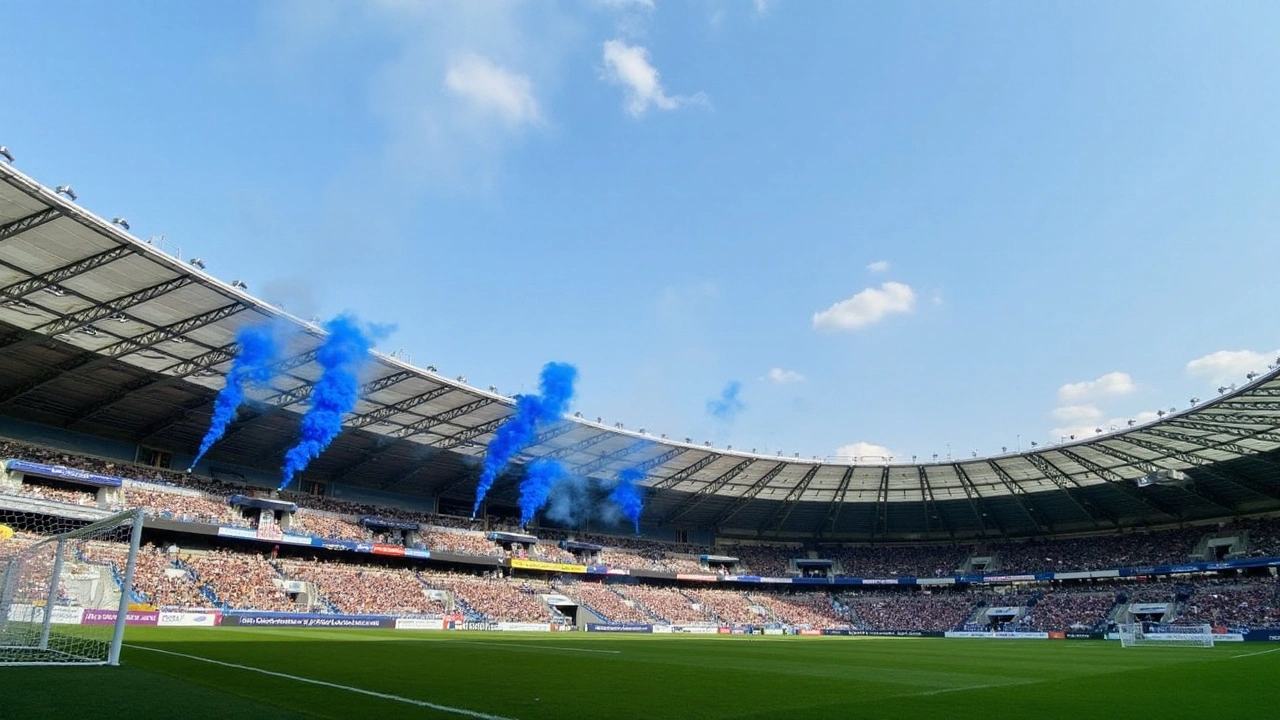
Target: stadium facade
(127,342)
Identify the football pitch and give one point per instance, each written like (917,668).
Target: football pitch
(230,673)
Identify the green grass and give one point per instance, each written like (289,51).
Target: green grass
(578,676)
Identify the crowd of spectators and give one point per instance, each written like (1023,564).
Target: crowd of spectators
(668,603)
(73,496)
(603,601)
(812,609)
(897,561)
(494,598)
(325,525)
(462,542)
(184,507)
(764,560)
(365,590)
(1236,603)
(1061,610)
(1098,553)
(160,582)
(728,606)
(911,611)
(241,581)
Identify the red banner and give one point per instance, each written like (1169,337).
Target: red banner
(384,549)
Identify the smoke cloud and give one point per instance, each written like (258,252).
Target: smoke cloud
(255,364)
(727,405)
(344,351)
(539,477)
(629,496)
(532,412)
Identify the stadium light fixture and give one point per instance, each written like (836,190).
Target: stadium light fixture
(432,368)
(1035,444)
(122,222)
(1222,389)
(1132,422)
(1195,400)
(493,389)
(1160,413)
(196,263)
(56,291)
(935,457)
(1097,431)
(4,152)
(462,378)
(1004,449)
(66,190)
(239,284)
(1250,375)
(578,414)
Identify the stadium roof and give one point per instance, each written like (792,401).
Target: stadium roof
(108,334)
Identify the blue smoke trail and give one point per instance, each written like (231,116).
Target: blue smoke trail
(532,411)
(335,393)
(539,476)
(254,364)
(728,404)
(629,496)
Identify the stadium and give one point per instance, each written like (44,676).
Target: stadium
(114,352)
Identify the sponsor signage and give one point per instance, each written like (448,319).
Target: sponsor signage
(307,620)
(420,623)
(1259,635)
(62,614)
(242,533)
(836,631)
(1077,635)
(64,473)
(522,627)
(385,549)
(188,619)
(619,627)
(108,617)
(1002,634)
(896,633)
(697,577)
(417,553)
(1148,608)
(522,564)
(810,631)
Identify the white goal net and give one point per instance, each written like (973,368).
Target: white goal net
(1151,634)
(65,587)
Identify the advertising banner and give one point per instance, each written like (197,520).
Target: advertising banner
(773,631)
(695,629)
(896,633)
(251,619)
(108,617)
(63,473)
(810,631)
(1004,635)
(417,553)
(522,564)
(619,627)
(1260,635)
(188,619)
(1149,608)
(836,631)
(1077,635)
(62,615)
(420,623)
(385,549)
(697,577)
(522,627)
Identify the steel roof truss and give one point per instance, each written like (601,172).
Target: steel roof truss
(707,490)
(976,503)
(837,500)
(681,475)
(1120,483)
(745,498)
(53,277)
(1016,492)
(1066,483)
(789,503)
(386,411)
(23,224)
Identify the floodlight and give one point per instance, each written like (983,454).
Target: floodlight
(4,151)
(578,414)
(462,378)
(1132,422)
(239,284)
(1250,375)
(1160,413)
(1035,444)
(1222,388)
(122,222)
(196,263)
(66,190)
(432,368)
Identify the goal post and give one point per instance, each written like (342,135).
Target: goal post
(66,587)
(1139,634)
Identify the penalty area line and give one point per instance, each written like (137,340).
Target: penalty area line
(323,683)
(519,646)
(1260,652)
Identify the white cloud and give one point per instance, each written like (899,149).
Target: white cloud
(1077,413)
(1086,427)
(762,6)
(867,307)
(878,266)
(865,452)
(1230,366)
(490,88)
(784,377)
(629,66)
(1109,385)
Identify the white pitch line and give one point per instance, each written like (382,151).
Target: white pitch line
(348,688)
(1260,652)
(959,689)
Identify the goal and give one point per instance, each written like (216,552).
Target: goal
(1161,635)
(65,587)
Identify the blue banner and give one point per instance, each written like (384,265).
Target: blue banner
(275,619)
(59,472)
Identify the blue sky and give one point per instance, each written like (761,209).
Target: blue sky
(905,228)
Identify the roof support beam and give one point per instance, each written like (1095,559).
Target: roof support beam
(1206,467)
(405,405)
(124,347)
(975,502)
(1228,429)
(1152,466)
(706,491)
(588,468)
(745,498)
(425,424)
(92,314)
(881,522)
(18,290)
(469,434)
(1016,492)
(837,501)
(681,475)
(789,502)
(931,503)
(1066,484)
(1121,483)
(23,224)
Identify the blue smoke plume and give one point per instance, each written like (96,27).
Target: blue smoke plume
(532,411)
(728,404)
(335,393)
(254,364)
(629,496)
(539,477)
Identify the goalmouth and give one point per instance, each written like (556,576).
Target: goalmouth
(1150,634)
(65,587)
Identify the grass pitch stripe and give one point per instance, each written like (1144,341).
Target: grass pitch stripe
(1260,652)
(348,688)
